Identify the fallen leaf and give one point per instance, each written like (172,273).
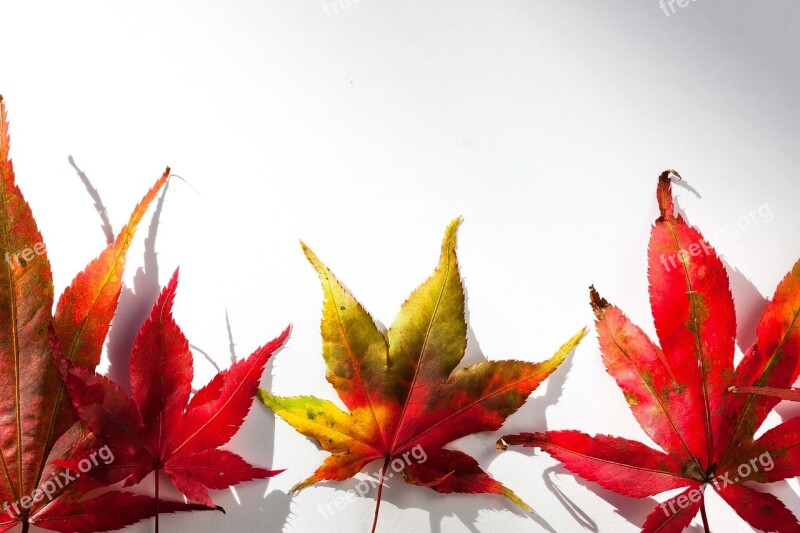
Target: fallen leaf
(679,392)
(161,429)
(406,400)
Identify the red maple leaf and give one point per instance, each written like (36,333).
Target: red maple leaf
(160,429)
(679,392)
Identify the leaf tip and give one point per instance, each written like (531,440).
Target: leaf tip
(665,176)
(285,333)
(508,493)
(450,237)
(311,256)
(598,303)
(262,395)
(300,486)
(560,356)
(573,342)
(664,193)
(167,297)
(501,445)
(452,228)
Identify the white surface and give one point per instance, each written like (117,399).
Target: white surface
(544,124)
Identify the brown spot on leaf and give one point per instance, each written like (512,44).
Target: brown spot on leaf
(598,303)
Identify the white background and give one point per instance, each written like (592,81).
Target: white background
(364,132)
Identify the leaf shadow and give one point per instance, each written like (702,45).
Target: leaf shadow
(463,507)
(750,305)
(135,304)
(272,506)
(533,415)
(579,515)
(473,354)
(253,501)
(684,184)
(108,231)
(133,309)
(748,300)
(275,505)
(634,510)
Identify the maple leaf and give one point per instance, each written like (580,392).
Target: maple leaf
(404,399)
(160,429)
(38,427)
(679,392)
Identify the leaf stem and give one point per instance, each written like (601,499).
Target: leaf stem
(158,471)
(380,492)
(783,394)
(704,516)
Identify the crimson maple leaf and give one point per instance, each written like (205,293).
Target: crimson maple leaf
(160,429)
(405,398)
(679,393)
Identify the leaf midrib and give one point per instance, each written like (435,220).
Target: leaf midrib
(666,412)
(700,351)
(356,366)
(424,346)
(14,332)
(542,444)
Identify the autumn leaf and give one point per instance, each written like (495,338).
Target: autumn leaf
(37,425)
(679,392)
(405,398)
(160,429)
(109,511)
